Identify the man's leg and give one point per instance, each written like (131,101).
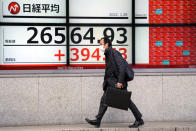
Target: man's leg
(102,108)
(101,112)
(137,115)
(135,110)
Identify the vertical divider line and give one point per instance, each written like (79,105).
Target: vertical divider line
(3,44)
(67,32)
(133,32)
(2,10)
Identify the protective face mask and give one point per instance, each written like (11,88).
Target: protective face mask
(102,48)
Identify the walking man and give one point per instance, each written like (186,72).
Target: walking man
(115,65)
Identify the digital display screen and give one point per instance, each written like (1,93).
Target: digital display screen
(141,11)
(84,43)
(33,11)
(36,32)
(33,45)
(100,11)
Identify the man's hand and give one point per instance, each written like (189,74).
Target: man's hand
(119,85)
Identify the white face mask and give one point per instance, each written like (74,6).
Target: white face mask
(101,47)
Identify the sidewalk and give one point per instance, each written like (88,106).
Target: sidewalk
(149,126)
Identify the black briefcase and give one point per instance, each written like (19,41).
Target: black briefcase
(117,98)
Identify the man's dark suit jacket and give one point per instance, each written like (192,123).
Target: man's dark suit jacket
(115,69)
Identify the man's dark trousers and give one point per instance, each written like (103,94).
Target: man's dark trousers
(103,108)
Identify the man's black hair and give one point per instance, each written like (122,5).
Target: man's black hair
(107,40)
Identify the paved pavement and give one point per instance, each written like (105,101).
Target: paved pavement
(148,126)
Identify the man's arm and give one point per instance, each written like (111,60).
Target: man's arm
(105,80)
(120,62)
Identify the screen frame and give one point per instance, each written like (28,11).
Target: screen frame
(133,25)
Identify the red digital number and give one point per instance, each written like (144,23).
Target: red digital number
(124,52)
(96,54)
(87,54)
(75,54)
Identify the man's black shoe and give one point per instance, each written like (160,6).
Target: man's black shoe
(137,124)
(95,122)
